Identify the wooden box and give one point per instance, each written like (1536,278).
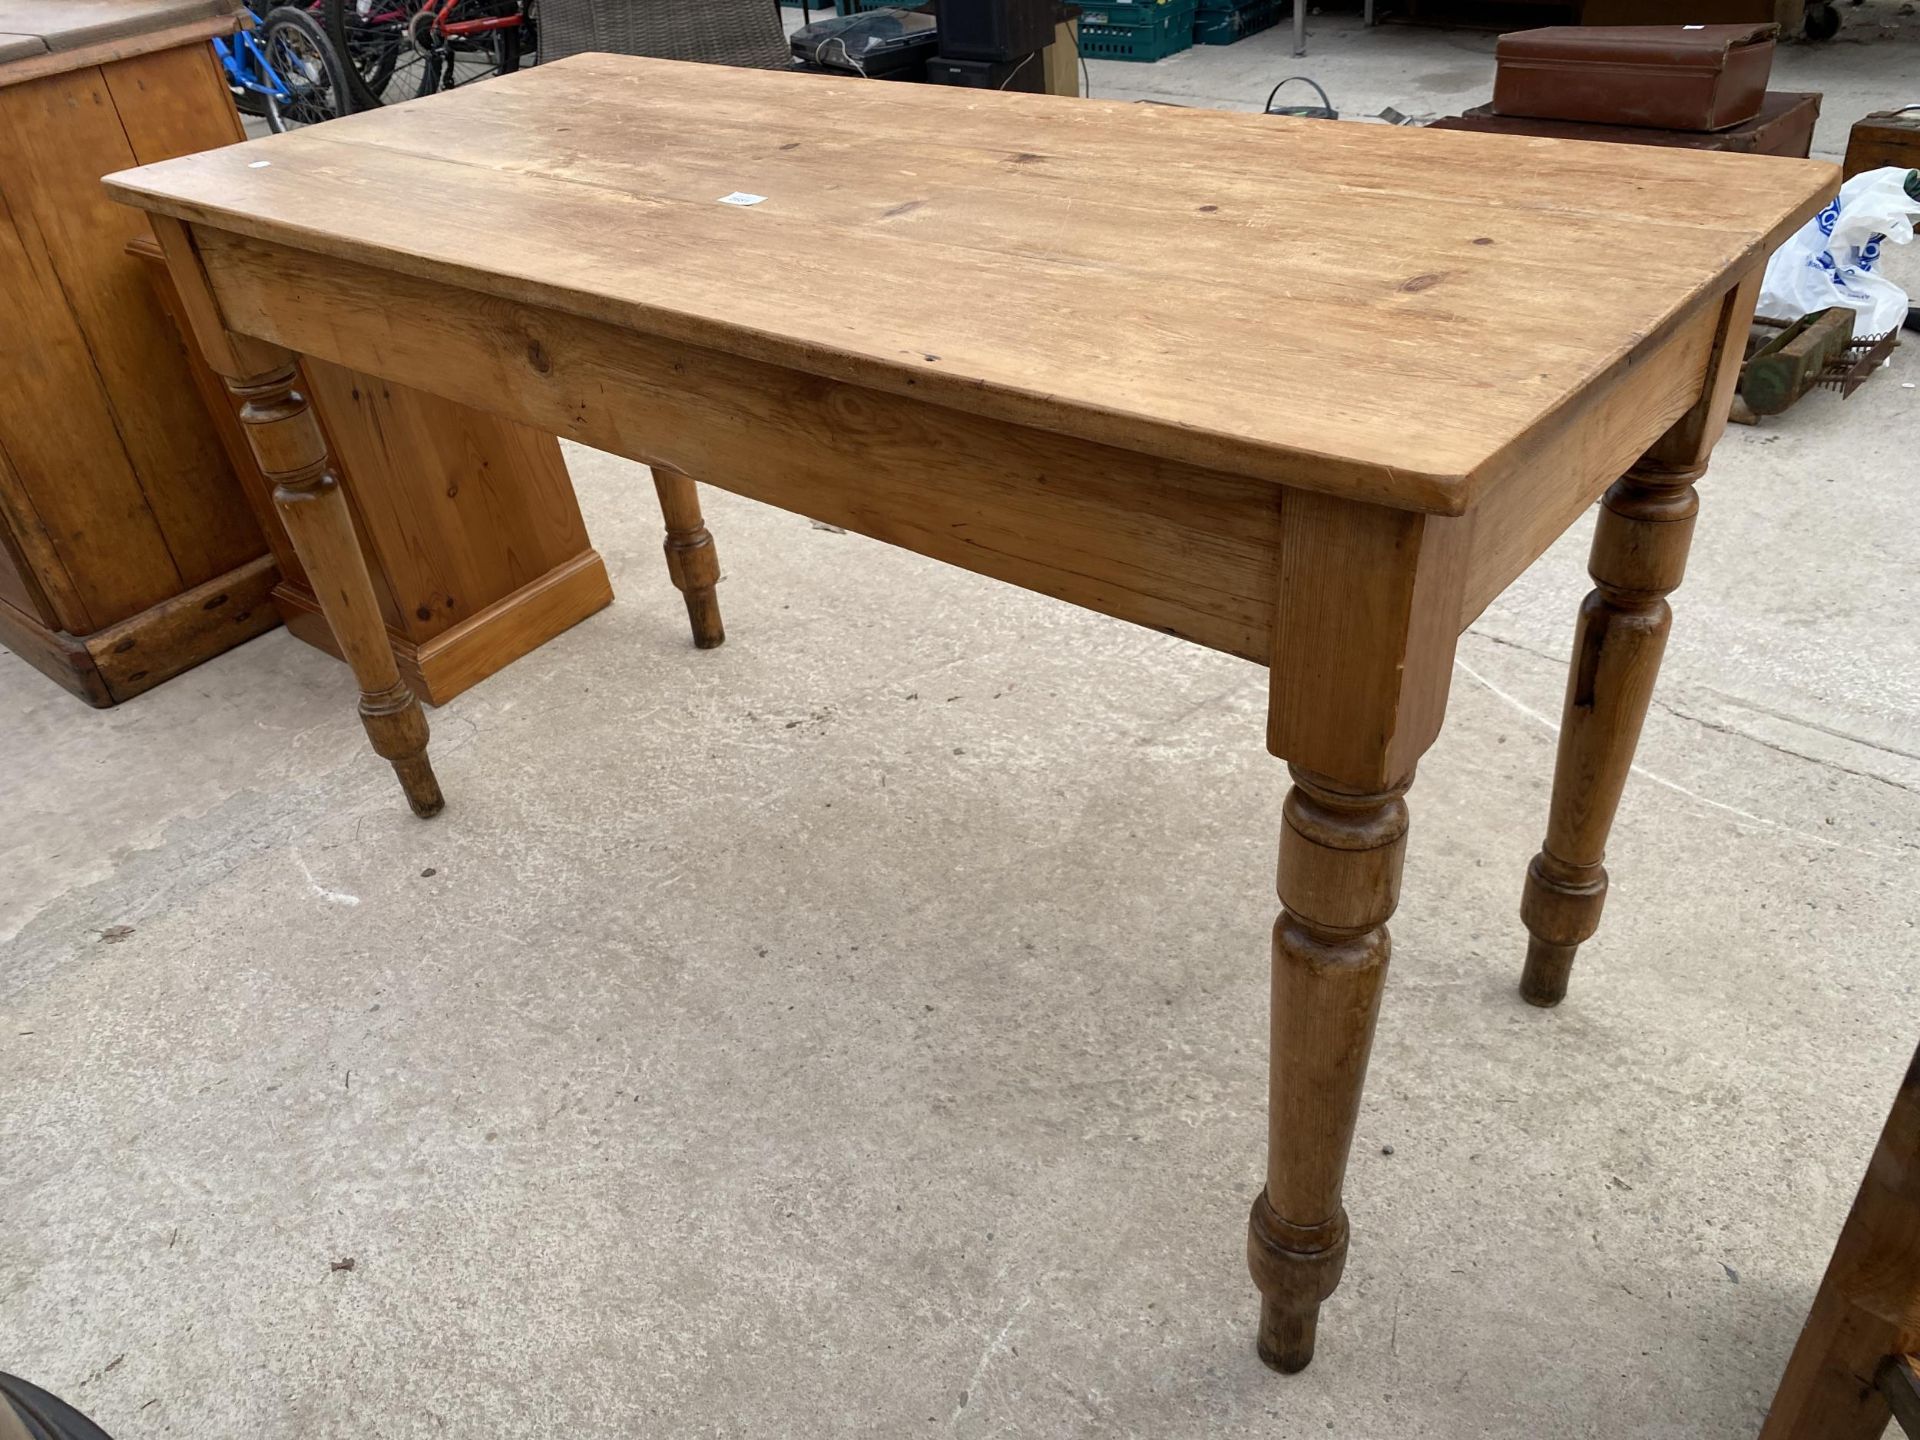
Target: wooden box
(127,551)
(1886,137)
(137,537)
(1784,126)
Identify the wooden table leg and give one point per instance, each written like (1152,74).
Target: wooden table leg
(1340,858)
(1847,1369)
(286,440)
(1639,556)
(1366,620)
(691,559)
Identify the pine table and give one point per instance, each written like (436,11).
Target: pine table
(1306,392)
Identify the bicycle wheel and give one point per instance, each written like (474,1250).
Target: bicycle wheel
(44,1416)
(454,59)
(308,67)
(373,37)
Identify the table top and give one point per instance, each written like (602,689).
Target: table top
(1360,309)
(37,28)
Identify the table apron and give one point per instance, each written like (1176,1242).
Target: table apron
(1549,485)
(1195,553)
(1184,550)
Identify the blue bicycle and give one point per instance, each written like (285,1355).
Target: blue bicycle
(286,69)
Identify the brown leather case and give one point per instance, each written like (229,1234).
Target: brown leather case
(1664,77)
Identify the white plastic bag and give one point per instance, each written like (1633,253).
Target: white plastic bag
(1833,259)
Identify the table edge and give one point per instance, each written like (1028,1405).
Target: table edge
(1394,487)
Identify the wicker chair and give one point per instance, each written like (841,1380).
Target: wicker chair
(721,32)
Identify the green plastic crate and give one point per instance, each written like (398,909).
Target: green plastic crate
(1145,31)
(1228,23)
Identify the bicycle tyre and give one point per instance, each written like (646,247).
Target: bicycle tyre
(44,1416)
(324,91)
(506,48)
(373,46)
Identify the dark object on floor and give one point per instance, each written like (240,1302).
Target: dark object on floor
(1817,19)
(1323,111)
(1792,347)
(1024,73)
(1865,1320)
(1886,137)
(1787,363)
(1007,30)
(1861,360)
(1666,77)
(1823,21)
(1784,126)
(29,1413)
(883,44)
(1789,15)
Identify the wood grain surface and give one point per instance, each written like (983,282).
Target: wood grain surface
(1379,313)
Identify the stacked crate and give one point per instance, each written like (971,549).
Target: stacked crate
(1136,29)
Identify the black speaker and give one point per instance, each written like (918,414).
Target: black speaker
(1026,73)
(995,29)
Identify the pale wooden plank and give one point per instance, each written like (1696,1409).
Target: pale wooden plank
(57,420)
(498,492)
(132,345)
(95,40)
(173,102)
(76,24)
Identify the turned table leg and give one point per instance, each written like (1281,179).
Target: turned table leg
(1639,555)
(1340,858)
(286,440)
(691,559)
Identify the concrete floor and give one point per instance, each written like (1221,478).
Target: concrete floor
(860,1030)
